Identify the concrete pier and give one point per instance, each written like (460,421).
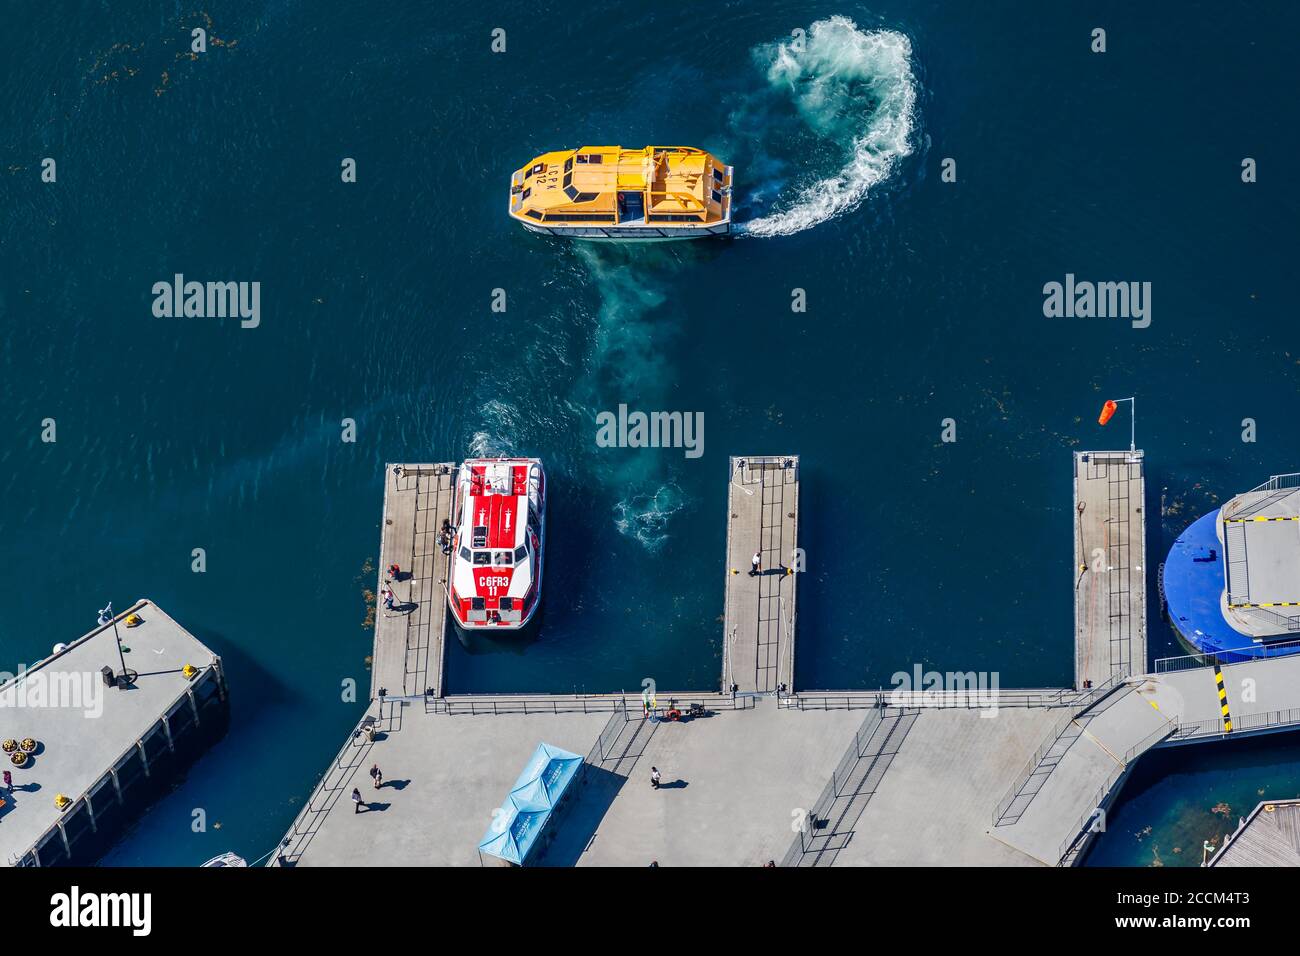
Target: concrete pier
(1110,637)
(963,777)
(759,622)
(101,747)
(408,651)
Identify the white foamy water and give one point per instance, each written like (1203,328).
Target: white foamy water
(645,516)
(850,87)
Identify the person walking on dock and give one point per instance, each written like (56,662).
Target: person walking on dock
(356,800)
(755,563)
(387,594)
(9,781)
(377,775)
(654,778)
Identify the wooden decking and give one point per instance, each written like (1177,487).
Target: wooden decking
(409,639)
(758,629)
(1110,633)
(1270,836)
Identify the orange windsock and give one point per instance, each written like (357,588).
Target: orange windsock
(1107,412)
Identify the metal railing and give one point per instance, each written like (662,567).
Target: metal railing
(1259,652)
(613,728)
(1284,622)
(1206,729)
(1021,779)
(1277,482)
(476,705)
(861,739)
(1047,699)
(1171,731)
(1168,728)
(1071,845)
(840,785)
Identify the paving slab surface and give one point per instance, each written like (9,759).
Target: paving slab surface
(83,731)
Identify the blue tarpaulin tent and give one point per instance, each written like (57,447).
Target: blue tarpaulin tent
(517,825)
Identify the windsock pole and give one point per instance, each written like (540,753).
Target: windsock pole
(1108,410)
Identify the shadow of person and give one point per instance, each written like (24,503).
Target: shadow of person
(380,807)
(396,784)
(678,784)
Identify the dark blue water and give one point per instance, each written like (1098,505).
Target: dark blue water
(1182,797)
(924,303)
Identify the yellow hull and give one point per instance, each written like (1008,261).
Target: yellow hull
(611,194)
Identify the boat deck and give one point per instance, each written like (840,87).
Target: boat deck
(759,621)
(409,640)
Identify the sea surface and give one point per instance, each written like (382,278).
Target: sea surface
(923,303)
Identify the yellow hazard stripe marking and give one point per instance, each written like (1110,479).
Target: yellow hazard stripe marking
(1223,699)
(1240,520)
(1270,604)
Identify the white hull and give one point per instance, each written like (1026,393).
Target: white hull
(631,233)
(531,514)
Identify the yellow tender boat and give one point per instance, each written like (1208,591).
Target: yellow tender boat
(611,193)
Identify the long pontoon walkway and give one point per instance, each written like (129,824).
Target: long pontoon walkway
(408,651)
(758,629)
(1110,632)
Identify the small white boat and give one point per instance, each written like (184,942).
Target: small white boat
(227,859)
(498,542)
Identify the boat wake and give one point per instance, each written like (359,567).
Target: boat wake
(629,337)
(644,517)
(853,96)
(498,419)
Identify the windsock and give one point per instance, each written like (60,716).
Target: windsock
(1107,412)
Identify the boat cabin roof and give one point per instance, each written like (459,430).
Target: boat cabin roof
(590,179)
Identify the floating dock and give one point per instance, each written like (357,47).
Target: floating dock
(103,748)
(759,622)
(1270,836)
(409,640)
(1110,632)
(857,778)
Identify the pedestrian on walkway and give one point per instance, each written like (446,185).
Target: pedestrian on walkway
(654,778)
(377,775)
(9,781)
(755,563)
(387,594)
(356,800)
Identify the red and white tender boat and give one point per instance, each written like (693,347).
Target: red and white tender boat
(499,533)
